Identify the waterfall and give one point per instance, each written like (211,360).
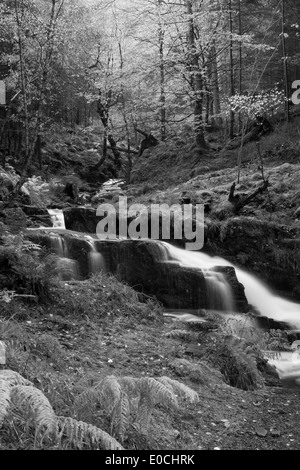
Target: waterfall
(258,294)
(96,259)
(218,290)
(59,246)
(57,218)
(67,267)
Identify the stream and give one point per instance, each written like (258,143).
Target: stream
(257,293)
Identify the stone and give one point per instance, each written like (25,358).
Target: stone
(272,250)
(81,219)
(37,216)
(144,265)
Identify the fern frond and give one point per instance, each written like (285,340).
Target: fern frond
(183,390)
(79,433)
(4,399)
(145,407)
(121,416)
(130,384)
(29,398)
(88,396)
(157,392)
(13,378)
(110,390)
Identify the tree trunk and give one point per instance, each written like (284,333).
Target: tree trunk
(161,36)
(240,61)
(196,78)
(231,122)
(103,111)
(285,66)
(215,86)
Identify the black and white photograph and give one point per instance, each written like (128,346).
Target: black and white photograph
(149,228)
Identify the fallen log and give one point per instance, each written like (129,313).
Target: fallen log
(239,202)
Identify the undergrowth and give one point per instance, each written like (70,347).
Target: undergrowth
(27,415)
(103,296)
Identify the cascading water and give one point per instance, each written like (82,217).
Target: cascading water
(96,259)
(259,296)
(68,268)
(218,291)
(57,218)
(59,246)
(256,292)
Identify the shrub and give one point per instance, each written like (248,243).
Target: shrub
(237,361)
(25,268)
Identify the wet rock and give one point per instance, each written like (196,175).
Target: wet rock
(241,304)
(81,219)
(37,216)
(266,249)
(144,265)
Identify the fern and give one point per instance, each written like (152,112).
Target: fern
(19,394)
(110,389)
(8,380)
(158,392)
(185,392)
(236,359)
(29,398)
(13,378)
(127,398)
(121,416)
(180,334)
(79,433)
(4,399)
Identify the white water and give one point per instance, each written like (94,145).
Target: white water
(59,245)
(57,218)
(96,259)
(258,295)
(67,267)
(261,297)
(219,291)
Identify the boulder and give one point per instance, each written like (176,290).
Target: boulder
(81,219)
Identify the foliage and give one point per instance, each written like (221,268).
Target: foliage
(129,400)
(80,435)
(25,268)
(236,359)
(126,400)
(38,191)
(259,104)
(102,296)
(23,405)
(140,64)
(273,342)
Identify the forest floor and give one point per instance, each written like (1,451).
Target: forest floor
(63,351)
